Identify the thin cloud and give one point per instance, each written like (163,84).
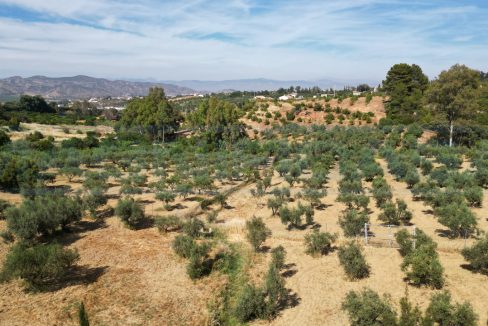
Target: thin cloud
(203,39)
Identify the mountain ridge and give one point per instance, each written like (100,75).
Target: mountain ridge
(82,87)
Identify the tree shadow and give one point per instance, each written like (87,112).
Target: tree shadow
(77,275)
(76,231)
(289,273)
(470,268)
(292,299)
(145,223)
(428,211)
(179,206)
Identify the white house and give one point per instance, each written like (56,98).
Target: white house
(284,98)
(356,93)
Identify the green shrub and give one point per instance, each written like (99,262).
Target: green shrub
(422,267)
(474,196)
(194,227)
(442,312)
(477,255)
(130,212)
(43,215)
(83,315)
(3,207)
(198,265)
(183,245)
(319,243)
(412,177)
(460,220)
(426,166)
(353,261)
(275,291)
(4,138)
(257,232)
(406,241)
(94,199)
(395,214)
(168,223)
(278,255)
(38,265)
(352,222)
(381,191)
(368,308)
(250,304)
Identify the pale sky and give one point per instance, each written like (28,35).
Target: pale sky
(234,39)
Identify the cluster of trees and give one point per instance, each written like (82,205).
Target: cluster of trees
(421,261)
(366,307)
(455,95)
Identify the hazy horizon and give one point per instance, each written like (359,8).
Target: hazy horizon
(241,39)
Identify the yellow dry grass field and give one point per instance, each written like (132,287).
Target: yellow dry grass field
(132,277)
(58,132)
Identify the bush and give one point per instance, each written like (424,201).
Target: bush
(474,196)
(3,207)
(38,265)
(168,223)
(395,214)
(94,199)
(250,304)
(352,222)
(183,245)
(198,265)
(381,191)
(477,255)
(257,232)
(43,215)
(426,166)
(319,243)
(422,267)
(278,255)
(443,312)
(4,138)
(412,177)
(130,212)
(460,220)
(368,308)
(353,261)
(406,241)
(275,291)
(194,227)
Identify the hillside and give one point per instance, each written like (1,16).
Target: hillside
(81,87)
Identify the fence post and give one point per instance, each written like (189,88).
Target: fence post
(366,233)
(389,235)
(414,233)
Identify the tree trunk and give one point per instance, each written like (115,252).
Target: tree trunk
(451,129)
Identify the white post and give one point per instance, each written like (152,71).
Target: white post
(366,233)
(389,235)
(414,233)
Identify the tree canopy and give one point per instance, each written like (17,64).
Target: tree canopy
(218,120)
(405,84)
(454,94)
(153,116)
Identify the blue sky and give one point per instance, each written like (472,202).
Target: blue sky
(212,40)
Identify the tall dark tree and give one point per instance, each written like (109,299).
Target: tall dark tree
(35,104)
(152,115)
(405,85)
(455,94)
(218,120)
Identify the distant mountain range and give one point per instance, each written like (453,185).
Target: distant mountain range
(85,87)
(81,87)
(260,84)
